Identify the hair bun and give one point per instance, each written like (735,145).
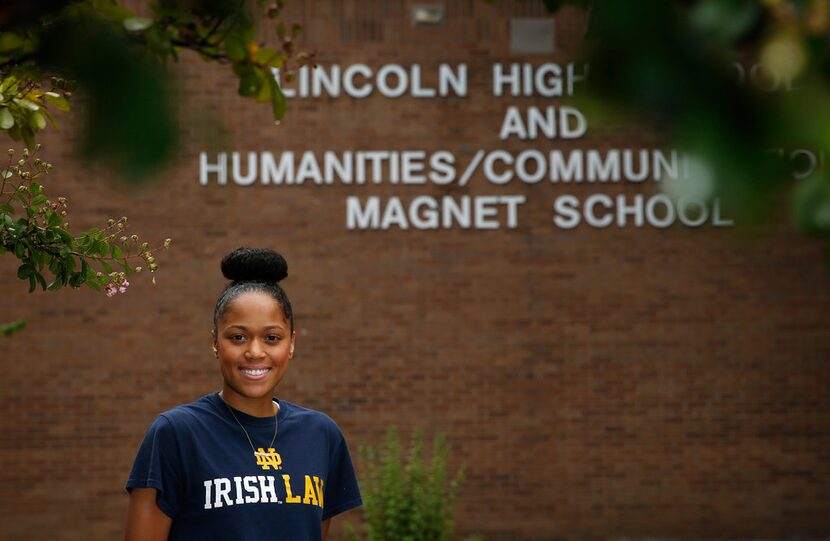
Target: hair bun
(254,265)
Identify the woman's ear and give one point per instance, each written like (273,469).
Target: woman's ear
(215,344)
(291,349)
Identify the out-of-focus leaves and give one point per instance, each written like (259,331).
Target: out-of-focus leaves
(60,102)
(811,205)
(137,24)
(9,329)
(129,119)
(724,20)
(277,98)
(6,119)
(235,47)
(250,81)
(740,85)
(115,58)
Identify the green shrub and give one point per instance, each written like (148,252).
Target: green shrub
(411,500)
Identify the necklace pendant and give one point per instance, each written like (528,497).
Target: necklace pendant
(269,459)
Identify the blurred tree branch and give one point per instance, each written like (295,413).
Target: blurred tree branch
(741,84)
(117,59)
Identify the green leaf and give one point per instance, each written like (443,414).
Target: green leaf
(32,283)
(24,271)
(250,82)
(107,266)
(99,247)
(10,42)
(28,135)
(7,208)
(65,236)
(115,252)
(41,280)
(26,104)
(19,250)
(111,10)
(53,219)
(59,102)
(235,48)
(13,327)
(92,281)
(76,280)
(6,119)
(55,285)
(725,20)
(38,200)
(277,98)
(137,24)
(35,188)
(38,120)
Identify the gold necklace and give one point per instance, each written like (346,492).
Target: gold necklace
(266,459)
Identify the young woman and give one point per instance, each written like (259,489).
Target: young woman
(240,464)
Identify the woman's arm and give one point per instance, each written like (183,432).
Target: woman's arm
(145,521)
(326,524)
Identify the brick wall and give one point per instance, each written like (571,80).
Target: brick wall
(597,383)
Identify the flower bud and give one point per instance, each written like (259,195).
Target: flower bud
(25,152)
(167,242)
(138,269)
(11,152)
(38,146)
(110,222)
(123,239)
(144,246)
(134,238)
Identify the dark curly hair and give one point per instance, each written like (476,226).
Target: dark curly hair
(253,269)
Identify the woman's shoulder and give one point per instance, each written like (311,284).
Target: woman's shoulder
(309,417)
(185,414)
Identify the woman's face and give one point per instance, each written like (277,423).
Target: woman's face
(254,343)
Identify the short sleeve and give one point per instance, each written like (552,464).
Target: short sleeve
(156,466)
(341,491)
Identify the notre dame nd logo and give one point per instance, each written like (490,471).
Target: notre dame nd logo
(268,460)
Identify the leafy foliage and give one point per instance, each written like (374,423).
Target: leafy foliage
(117,59)
(407,501)
(740,84)
(23,106)
(34,229)
(11,328)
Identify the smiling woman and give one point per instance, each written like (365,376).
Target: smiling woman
(240,463)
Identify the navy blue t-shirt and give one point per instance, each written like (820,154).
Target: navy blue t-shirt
(213,486)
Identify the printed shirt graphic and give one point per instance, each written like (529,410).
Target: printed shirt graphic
(214,487)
